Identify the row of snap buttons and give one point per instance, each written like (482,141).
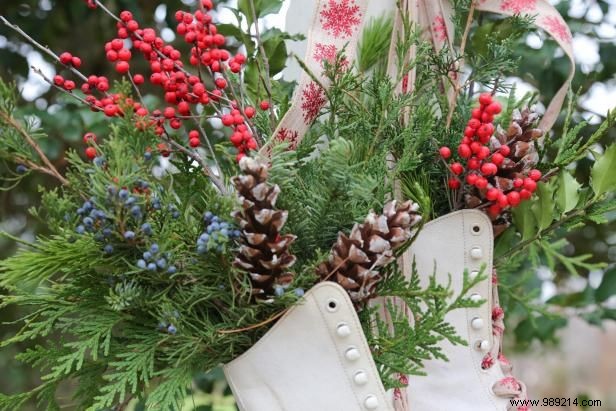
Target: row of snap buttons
(477,323)
(360,378)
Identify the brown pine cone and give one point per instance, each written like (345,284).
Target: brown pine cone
(354,261)
(264,252)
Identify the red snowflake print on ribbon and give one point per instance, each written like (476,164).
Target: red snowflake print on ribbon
(440,28)
(327,53)
(340,18)
(313,98)
(518,6)
(288,136)
(557,28)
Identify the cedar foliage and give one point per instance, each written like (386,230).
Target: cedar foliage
(127,331)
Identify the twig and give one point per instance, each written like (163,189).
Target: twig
(457,88)
(266,66)
(38,45)
(50,167)
(252,327)
(196,157)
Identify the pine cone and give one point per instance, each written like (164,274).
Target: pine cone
(520,137)
(264,252)
(354,260)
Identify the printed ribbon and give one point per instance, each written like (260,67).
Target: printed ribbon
(337,24)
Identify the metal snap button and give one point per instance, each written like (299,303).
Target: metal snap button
(477,323)
(371,402)
(343,330)
(476,229)
(475,298)
(476,253)
(483,345)
(352,354)
(474,274)
(360,378)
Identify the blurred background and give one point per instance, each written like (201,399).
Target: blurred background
(574,358)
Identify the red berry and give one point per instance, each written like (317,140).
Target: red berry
(503,200)
(220,82)
(494,108)
(476,113)
(484,153)
(457,168)
(469,132)
(489,169)
(525,194)
(445,152)
(58,80)
(126,15)
(240,58)
(66,58)
(504,150)
(250,111)
(494,210)
(117,44)
(493,194)
(251,144)
(169,112)
(194,142)
(464,151)
(124,54)
(518,182)
(535,174)
(175,123)
(110,110)
(514,198)
(76,62)
(474,123)
(264,105)
(138,79)
(497,158)
(474,163)
(239,157)
(487,118)
(89,138)
(228,120)
(112,55)
(69,85)
(454,183)
(530,184)
(472,179)
(484,132)
(90,152)
(236,138)
(122,67)
(485,99)
(481,183)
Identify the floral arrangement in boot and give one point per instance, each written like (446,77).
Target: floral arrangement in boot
(181,235)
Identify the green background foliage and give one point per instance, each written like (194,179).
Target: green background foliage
(69,25)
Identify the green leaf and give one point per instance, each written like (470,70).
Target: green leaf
(543,207)
(525,221)
(261,8)
(607,288)
(567,196)
(603,172)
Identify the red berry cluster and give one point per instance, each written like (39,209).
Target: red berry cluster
(182,90)
(479,165)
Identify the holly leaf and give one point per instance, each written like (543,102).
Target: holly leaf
(543,207)
(525,221)
(567,196)
(607,288)
(603,177)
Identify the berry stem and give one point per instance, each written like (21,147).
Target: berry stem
(50,168)
(263,54)
(457,87)
(39,46)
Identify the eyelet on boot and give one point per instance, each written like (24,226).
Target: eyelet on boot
(476,229)
(332,305)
